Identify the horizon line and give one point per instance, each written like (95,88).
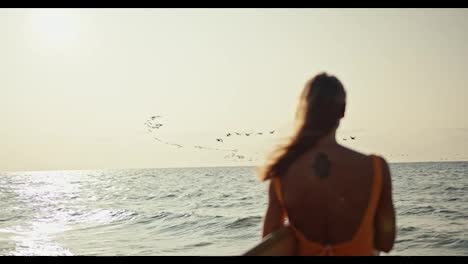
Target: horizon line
(196,167)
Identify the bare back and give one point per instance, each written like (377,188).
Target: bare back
(330,209)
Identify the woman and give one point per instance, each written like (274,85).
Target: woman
(336,201)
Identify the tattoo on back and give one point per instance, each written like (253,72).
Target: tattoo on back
(322,165)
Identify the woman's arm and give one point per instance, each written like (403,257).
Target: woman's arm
(274,214)
(385,223)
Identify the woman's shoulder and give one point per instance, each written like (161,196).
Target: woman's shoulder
(354,154)
(358,158)
(360,155)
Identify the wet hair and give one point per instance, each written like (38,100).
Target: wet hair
(321,106)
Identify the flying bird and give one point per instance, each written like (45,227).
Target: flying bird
(271,132)
(219,139)
(154,117)
(157,126)
(247,134)
(260,133)
(344,139)
(353,138)
(238,134)
(228,135)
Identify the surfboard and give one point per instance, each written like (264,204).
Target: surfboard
(278,243)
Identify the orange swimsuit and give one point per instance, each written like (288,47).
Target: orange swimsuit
(362,244)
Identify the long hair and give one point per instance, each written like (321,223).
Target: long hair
(321,106)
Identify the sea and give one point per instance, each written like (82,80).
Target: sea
(215,211)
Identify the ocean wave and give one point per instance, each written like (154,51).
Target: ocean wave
(447,212)
(162,216)
(168,196)
(422,210)
(212,206)
(452,188)
(459,244)
(198,245)
(450,242)
(398,241)
(12,218)
(106,216)
(407,229)
(244,222)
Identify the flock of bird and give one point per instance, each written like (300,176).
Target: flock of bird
(244,134)
(153,124)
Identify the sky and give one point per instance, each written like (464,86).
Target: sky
(77,85)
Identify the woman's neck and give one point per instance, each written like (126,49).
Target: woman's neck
(329,139)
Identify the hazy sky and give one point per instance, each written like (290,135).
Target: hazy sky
(78,84)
